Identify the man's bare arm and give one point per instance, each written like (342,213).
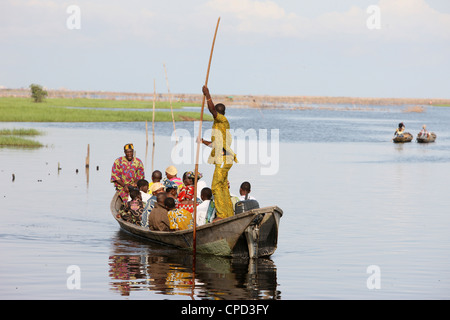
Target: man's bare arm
(209,101)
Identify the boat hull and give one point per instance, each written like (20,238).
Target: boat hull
(431,138)
(407,137)
(250,234)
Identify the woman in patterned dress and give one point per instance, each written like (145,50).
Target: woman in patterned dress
(186,194)
(126,171)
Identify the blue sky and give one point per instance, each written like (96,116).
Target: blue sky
(286,47)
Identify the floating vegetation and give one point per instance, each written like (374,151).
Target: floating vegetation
(15,138)
(418,109)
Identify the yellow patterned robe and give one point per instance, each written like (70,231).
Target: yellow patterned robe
(222,157)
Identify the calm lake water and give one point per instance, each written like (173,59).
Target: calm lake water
(353,202)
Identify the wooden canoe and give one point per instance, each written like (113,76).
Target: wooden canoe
(251,234)
(406,137)
(422,139)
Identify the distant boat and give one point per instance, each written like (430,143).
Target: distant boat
(425,139)
(406,137)
(251,234)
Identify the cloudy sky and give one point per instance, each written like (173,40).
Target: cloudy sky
(360,48)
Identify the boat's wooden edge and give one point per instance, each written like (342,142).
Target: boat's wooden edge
(269,209)
(431,138)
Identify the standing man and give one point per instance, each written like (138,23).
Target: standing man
(221,156)
(126,172)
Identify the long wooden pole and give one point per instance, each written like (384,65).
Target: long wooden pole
(146,143)
(170,101)
(153,123)
(194,244)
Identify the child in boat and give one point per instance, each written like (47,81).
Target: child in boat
(180,219)
(134,208)
(143,188)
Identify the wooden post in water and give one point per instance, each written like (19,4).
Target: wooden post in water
(194,244)
(87,165)
(170,101)
(146,142)
(87,156)
(153,123)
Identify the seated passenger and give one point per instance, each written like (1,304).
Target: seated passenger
(155,189)
(156,177)
(424,133)
(143,187)
(244,191)
(171,174)
(135,207)
(400,130)
(180,219)
(158,220)
(202,209)
(186,194)
(171,190)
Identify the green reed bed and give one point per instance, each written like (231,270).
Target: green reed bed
(14,109)
(15,138)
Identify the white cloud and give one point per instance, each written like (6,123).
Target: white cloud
(400,20)
(413,20)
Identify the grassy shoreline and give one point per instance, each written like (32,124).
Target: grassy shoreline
(19,109)
(248,100)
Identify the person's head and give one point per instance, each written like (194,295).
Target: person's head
(169,203)
(220,108)
(142,185)
(424,127)
(135,194)
(156,188)
(171,172)
(156,176)
(245,188)
(189,177)
(171,188)
(160,197)
(129,151)
(206,194)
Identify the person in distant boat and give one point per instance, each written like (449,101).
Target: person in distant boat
(126,172)
(400,130)
(171,174)
(158,220)
(156,177)
(180,219)
(222,156)
(245,190)
(424,133)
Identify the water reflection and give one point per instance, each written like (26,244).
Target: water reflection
(136,265)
